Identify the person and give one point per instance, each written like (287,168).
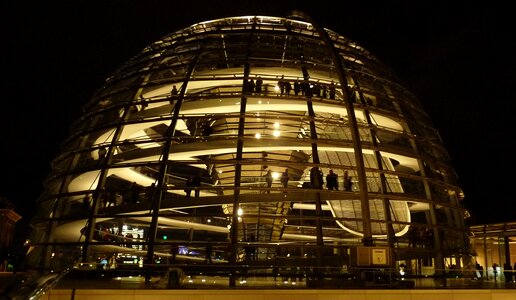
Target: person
(269,179)
(129,240)
(332,182)
(347,182)
(281,85)
(135,193)
(174,91)
(110,198)
(250,86)
(495,270)
(188,187)
(332,90)
(252,239)
(297,88)
(317,90)
(284,178)
(173,94)
(209,250)
(316,178)
(174,249)
(102,152)
(249,249)
(196,183)
(150,192)
(258,86)
(514,272)
(288,87)
(348,185)
(479,271)
(507,272)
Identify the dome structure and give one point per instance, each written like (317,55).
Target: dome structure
(172,155)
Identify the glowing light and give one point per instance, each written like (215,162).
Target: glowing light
(240,211)
(275,175)
(257,135)
(276,124)
(276,133)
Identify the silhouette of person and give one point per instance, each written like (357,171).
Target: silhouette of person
(281,84)
(102,152)
(507,272)
(284,178)
(173,94)
(110,199)
(258,86)
(332,90)
(346,181)
(317,90)
(268,179)
(316,178)
(196,183)
(250,86)
(288,87)
(188,187)
(135,193)
(495,270)
(150,192)
(297,88)
(332,181)
(209,251)
(348,185)
(174,249)
(250,252)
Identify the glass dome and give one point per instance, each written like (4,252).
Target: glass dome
(170,160)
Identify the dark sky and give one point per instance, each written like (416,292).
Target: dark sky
(459,59)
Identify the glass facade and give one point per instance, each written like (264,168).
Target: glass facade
(215,145)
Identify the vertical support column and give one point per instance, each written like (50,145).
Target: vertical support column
(316,161)
(362,180)
(379,163)
(431,214)
(238,175)
(90,229)
(161,184)
(486,261)
(507,248)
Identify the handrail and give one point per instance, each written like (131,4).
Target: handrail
(35,286)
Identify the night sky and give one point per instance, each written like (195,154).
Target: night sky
(459,60)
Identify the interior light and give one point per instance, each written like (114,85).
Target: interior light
(257,135)
(276,133)
(276,124)
(275,175)
(240,211)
